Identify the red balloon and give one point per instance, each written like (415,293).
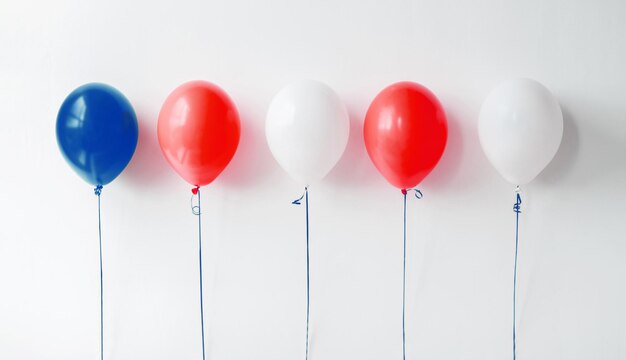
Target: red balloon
(198,131)
(405,133)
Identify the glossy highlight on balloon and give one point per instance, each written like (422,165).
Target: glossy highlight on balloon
(198,131)
(405,133)
(97,132)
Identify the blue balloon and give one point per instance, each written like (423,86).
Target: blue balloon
(97,132)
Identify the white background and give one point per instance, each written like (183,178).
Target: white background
(461,235)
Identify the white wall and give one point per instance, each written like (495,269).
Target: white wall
(460,241)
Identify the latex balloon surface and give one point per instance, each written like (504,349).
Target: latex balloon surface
(198,131)
(97,132)
(307,130)
(520,129)
(405,133)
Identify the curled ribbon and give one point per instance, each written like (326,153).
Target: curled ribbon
(298,200)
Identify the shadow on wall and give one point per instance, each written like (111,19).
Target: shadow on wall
(565,158)
(253,160)
(148,166)
(355,169)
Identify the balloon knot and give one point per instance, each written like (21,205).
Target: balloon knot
(195,190)
(403,191)
(97,190)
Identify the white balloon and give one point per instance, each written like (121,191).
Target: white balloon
(307,130)
(520,129)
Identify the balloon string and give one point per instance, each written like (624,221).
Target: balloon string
(308,272)
(196,210)
(517,210)
(404,282)
(418,195)
(98,191)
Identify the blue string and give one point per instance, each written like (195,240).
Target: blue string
(298,200)
(404,282)
(517,210)
(308,277)
(418,195)
(98,191)
(196,210)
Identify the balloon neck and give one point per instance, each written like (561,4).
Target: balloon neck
(403,191)
(195,190)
